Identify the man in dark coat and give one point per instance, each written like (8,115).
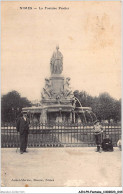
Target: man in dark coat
(23,128)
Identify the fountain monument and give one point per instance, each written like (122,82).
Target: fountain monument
(58,103)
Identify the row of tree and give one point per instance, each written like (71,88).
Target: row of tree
(104,106)
(11,106)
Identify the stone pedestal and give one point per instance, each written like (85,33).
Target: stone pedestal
(57,84)
(57,91)
(57,97)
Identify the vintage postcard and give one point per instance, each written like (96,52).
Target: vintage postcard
(61,94)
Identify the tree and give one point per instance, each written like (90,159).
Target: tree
(84,98)
(11,105)
(117,110)
(104,106)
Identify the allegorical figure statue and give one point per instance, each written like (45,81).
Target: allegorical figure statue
(67,89)
(56,62)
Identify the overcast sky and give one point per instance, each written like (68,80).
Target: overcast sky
(89,37)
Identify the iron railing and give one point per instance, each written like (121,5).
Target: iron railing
(57,134)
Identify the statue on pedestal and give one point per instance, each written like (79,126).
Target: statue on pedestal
(43,117)
(56,62)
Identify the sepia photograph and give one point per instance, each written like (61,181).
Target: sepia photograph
(61,94)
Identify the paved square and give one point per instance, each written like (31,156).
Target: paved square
(61,167)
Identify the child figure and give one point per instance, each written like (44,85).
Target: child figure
(98,130)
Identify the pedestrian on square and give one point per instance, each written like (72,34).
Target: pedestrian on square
(23,128)
(98,130)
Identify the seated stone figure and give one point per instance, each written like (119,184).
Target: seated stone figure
(107,144)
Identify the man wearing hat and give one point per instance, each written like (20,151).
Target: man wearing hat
(23,128)
(98,130)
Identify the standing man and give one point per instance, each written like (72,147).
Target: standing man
(23,128)
(98,130)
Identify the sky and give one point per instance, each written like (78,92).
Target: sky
(89,37)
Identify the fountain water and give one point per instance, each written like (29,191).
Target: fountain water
(82,108)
